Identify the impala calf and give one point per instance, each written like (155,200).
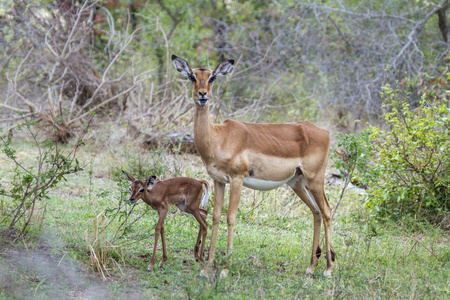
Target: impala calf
(261,157)
(185,193)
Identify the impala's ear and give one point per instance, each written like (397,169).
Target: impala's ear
(150,181)
(183,67)
(221,70)
(128,176)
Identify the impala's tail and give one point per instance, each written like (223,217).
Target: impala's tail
(206,196)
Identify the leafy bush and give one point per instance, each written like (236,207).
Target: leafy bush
(407,165)
(30,184)
(411,159)
(353,156)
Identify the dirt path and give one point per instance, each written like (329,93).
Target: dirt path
(40,270)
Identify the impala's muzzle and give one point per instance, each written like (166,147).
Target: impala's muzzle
(202,98)
(203,102)
(132,197)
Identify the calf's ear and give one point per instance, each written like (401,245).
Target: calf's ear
(150,181)
(128,176)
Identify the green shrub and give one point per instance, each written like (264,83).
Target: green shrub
(405,166)
(31,182)
(411,158)
(353,156)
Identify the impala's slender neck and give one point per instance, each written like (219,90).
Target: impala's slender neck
(150,197)
(203,130)
(146,196)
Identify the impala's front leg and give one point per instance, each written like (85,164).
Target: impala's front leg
(163,241)
(219,192)
(235,195)
(159,226)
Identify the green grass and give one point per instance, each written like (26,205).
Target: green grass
(272,243)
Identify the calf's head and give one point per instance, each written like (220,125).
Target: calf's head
(138,187)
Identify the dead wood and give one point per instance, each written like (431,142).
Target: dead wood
(174,141)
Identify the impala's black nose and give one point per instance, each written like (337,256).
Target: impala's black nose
(202,98)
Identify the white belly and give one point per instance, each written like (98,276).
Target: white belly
(256,183)
(262,185)
(265,185)
(222,180)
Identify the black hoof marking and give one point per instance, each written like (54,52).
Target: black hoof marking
(333,255)
(318,252)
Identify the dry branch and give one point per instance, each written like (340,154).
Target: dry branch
(59,82)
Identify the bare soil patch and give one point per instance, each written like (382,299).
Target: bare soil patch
(48,269)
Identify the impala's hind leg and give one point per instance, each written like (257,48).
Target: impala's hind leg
(204,214)
(318,192)
(197,244)
(198,214)
(301,190)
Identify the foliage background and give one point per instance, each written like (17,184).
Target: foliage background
(295,59)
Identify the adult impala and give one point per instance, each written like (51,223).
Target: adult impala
(261,157)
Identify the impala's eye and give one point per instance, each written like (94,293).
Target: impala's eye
(193,78)
(141,190)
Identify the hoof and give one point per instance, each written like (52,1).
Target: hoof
(161,267)
(149,270)
(327,274)
(309,272)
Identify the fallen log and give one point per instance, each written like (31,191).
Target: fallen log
(175,141)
